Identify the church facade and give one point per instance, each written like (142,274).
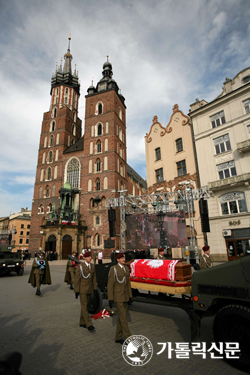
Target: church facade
(76,174)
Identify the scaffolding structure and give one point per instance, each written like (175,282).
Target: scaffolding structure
(160,202)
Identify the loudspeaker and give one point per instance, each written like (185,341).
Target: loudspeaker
(111,214)
(112,229)
(204,216)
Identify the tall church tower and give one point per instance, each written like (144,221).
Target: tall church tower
(104,160)
(61,128)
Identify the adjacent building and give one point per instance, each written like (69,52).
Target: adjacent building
(171,163)
(222,141)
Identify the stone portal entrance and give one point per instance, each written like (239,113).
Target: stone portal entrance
(66,246)
(51,243)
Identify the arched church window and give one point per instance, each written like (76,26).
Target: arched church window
(98,165)
(73,129)
(99,108)
(66,91)
(48,177)
(45,142)
(66,100)
(50,157)
(53,190)
(50,208)
(98,240)
(54,112)
(51,140)
(53,125)
(73,172)
(47,191)
(120,113)
(41,209)
(43,161)
(97,220)
(98,184)
(99,129)
(41,176)
(98,146)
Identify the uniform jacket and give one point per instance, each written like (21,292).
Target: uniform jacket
(46,272)
(119,287)
(206,261)
(162,257)
(69,268)
(85,279)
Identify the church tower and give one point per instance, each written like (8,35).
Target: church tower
(104,155)
(60,129)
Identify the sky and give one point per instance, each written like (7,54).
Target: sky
(163,52)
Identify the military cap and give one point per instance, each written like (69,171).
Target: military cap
(206,248)
(120,255)
(87,254)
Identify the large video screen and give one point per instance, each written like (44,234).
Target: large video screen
(153,230)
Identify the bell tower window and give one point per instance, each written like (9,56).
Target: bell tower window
(99,108)
(99,129)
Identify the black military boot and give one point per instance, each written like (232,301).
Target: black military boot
(38,292)
(71,286)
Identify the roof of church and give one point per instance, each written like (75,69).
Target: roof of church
(136,177)
(78,146)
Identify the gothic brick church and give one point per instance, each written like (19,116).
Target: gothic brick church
(76,174)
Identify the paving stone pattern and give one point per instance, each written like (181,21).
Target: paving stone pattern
(46,331)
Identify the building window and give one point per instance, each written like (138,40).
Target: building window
(222,144)
(50,156)
(28,233)
(218,119)
(226,170)
(233,203)
(27,241)
(246,79)
(66,100)
(99,129)
(47,192)
(53,125)
(21,233)
(99,146)
(158,153)
(73,129)
(55,110)
(179,145)
(28,226)
(247,105)
(181,168)
(22,225)
(98,165)
(66,91)
(20,241)
(48,174)
(159,175)
(97,220)
(73,170)
(51,140)
(248,128)
(98,185)
(99,108)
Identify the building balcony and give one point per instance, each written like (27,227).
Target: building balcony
(243,179)
(243,146)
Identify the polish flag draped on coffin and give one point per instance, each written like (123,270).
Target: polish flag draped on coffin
(153,269)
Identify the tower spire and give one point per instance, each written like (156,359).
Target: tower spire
(67,57)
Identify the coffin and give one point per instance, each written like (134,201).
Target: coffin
(166,276)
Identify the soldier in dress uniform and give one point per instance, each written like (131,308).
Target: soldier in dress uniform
(40,272)
(119,291)
(85,285)
(161,254)
(71,270)
(206,261)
